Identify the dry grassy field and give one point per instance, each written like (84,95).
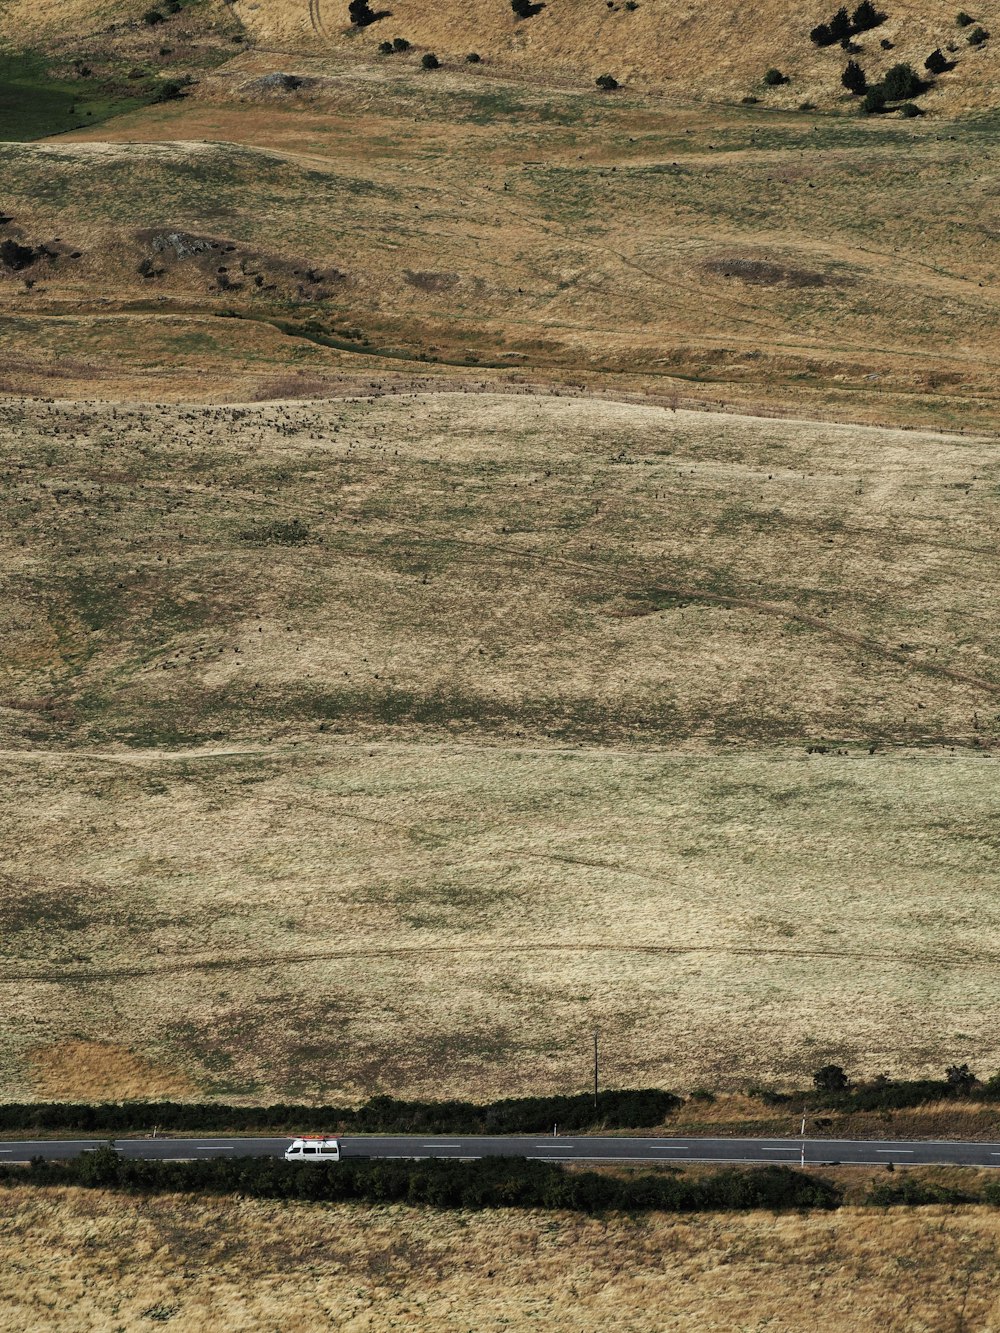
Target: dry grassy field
(393,743)
(79,1261)
(378,220)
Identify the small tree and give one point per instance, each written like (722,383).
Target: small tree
(360,13)
(821,35)
(901,82)
(961,1079)
(831,1078)
(936,62)
(430,61)
(773,78)
(977,36)
(963,19)
(853,78)
(866,17)
(607,83)
(840,25)
(400,44)
(874,100)
(910,109)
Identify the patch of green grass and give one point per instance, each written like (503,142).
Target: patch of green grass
(35,104)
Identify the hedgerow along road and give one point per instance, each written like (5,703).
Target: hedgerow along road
(546,1148)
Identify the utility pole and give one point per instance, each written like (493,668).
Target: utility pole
(595,1070)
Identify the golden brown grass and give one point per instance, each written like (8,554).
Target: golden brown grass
(79,1261)
(510,741)
(88,1071)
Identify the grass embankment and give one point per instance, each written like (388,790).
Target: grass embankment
(425,735)
(82,1259)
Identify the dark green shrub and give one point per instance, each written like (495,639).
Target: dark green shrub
(853,78)
(360,13)
(866,17)
(430,61)
(631,5)
(901,82)
(607,83)
(173,88)
(915,1193)
(773,78)
(490,1182)
(977,36)
(936,62)
(526,9)
(840,25)
(400,44)
(385,48)
(749,100)
(152,17)
(909,110)
(473,58)
(821,35)
(831,1078)
(960,1079)
(624,1109)
(885,44)
(963,19)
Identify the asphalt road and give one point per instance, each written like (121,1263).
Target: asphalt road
(868,1152)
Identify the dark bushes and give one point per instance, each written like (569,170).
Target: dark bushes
(631,1109)
(902,82)
(606,82)
(362,15)
(842,26)
(853,78)
(490,1182)
(911,1192)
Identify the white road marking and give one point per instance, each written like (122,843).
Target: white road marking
(213,1147)
(440,1145)
(885,1150)
(566,1147)
(671,1147)
(792,1147)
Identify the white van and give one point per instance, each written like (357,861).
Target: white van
(313,1149)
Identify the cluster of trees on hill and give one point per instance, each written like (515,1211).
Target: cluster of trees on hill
(901,83)
(843,26)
